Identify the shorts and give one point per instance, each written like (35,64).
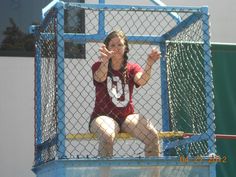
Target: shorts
(119,120)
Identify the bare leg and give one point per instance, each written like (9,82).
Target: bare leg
(105,129)
(142,129)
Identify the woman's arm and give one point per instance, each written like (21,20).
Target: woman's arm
(141,78)
(101,74)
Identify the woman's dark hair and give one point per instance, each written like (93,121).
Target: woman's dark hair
(121,35)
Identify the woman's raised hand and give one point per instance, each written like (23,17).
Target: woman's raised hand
(105,54)
(154,55)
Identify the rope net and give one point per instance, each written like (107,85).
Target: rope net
(45,86)
(186,85)
(185,82)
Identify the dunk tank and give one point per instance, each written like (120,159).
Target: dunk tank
(178,98)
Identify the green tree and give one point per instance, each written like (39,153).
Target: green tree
(15,39)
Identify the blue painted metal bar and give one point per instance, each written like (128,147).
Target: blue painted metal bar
(60,80)
(192,139)
(208,82)
(164,93)
(101,20)
(46,9)
(140,162)
(212,170)
(101,1)
(181,26)
(125,167)
(82,38)
(174,15)
(135,7)
(38,103)
(159,161)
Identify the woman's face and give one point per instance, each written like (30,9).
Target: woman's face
(117,45)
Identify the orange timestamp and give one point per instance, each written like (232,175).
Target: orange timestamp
(210,159)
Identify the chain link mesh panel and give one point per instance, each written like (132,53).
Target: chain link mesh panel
(185,78)
(45,90)
(186,85)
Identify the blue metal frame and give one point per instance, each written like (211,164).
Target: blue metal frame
(46,9)
(133,7)
(60,80)
(101,22)
(38,100)
(160,161)
(164,95)
(174,15)
(61,168)
(83,38)
(187,141)
(209,88)
(181,26)
(208,81)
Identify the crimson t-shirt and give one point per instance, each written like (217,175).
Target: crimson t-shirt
(113,98)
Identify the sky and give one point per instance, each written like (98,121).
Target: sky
(16,77)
